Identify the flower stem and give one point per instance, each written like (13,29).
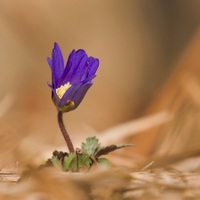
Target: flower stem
(64,132)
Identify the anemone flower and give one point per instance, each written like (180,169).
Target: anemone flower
(71,82)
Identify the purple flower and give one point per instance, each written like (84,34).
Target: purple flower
(71,82)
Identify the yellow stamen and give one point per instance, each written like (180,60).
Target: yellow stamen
(62,89)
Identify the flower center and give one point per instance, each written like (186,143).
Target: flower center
(62,89)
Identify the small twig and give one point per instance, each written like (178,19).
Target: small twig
(147,166)
(133,127)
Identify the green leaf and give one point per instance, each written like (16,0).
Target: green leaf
(57,163)
(70,162)
(104,162)
(90,146)
(105,150)
(84,160)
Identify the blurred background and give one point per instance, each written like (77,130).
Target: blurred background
(148,53)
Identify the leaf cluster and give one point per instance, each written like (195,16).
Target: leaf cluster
(85,157)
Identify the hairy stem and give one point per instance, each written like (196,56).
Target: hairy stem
(64,132)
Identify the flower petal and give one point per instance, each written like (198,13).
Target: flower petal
(77,68)
(57,65)
(93,66)
(81,67)
(68,66)
(54,96)
(68,95)
(51,66)
(50,63)
(80,93)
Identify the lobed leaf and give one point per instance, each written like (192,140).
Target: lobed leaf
(90,146)
(70,162)
(57,163)
(84,160)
